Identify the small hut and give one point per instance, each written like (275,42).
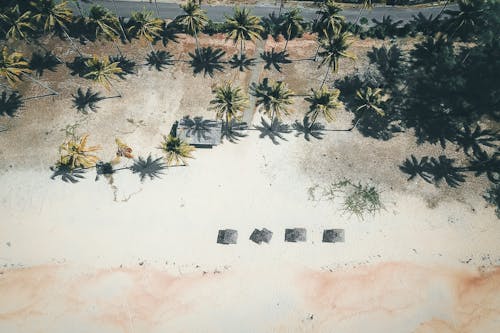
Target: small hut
(227,236)
(295,235)
(333,235)
(259,236)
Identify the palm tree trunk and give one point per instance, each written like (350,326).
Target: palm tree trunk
(196,41)
(157,10)
(53,92)
(117,91)
(444,7)
(228,126)
(72,43)
(116,45)
(119,23)
(317,51)
(326,75)
(241,49)
(288,35)
(313,120)
(281,7)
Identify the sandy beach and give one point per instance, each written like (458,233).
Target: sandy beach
(136,256)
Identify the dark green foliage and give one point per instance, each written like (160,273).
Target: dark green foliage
(389,62)
(149,167)
(78,67)
(387,27)
(127,65)
(40,62)
(86,101)
(427,25)
(159,59)
(492,196)
(207,60)
(273,25)
(10,103)
(275,59)
(214,28)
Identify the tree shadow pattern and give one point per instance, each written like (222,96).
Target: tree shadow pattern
(10,103)
(304,128)
(275,59)
(274,129)
(207,60)
(41,62)
(234,132)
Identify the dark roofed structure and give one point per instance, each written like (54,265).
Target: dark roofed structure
(295,235)
(227,236)
(259,236)
(333,235)
(199,132)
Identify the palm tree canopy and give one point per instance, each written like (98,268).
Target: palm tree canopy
(12,66)
(194,18)
(17,25)
(52,16)
(329,18)
(243,26)
(292,23)
(370,99)
(274,97)
(176,150)
(335,47)
(144,24)
(102,70)
(323,101)
(229,101)
(75,153)
(103,22)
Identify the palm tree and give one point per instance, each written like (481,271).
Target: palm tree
(12,66)
(102,71)
(329,19)
(467,17)
(54,17)
(75,153)
(177,151)
(293,21)
(103,23)
(144,25)
(370,100)
(274,97)
(229,102)
(17,25)
(367,4)
(193,20)
(322,101)
(242,27)
(334,48)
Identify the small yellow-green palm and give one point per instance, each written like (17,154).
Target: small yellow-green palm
(370,99)
(12,66)
(16,25)
(102,71)
(242,26)
(145,25)
(52,16)
(335,47)
(103,21)
(323,101)
(75,153)
(176,150)
(229,102)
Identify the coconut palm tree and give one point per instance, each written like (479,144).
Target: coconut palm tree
(17,25)
(76,154)
(177,151)
(102,71)
(292,22)
(370,100)
(103,23)
(322,101)
(329,19)
(193,20)
(54,18)
(144,25)
(243,27)
(229,102)
(334,47)
(273,97)
(466,19)
(13,66)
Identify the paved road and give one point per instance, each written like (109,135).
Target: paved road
(216,13)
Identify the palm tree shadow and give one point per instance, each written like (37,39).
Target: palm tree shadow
(198,127)
(78,67)
(274,130)
(242,63)
(86,101)
(10,103)
(207,60)
(275,59)
(67,174)
(127,65)
(41,62)
(413,167)
(483,163)
(316,130)
(159,59)
(434,170)
(148,167)
(234,132)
